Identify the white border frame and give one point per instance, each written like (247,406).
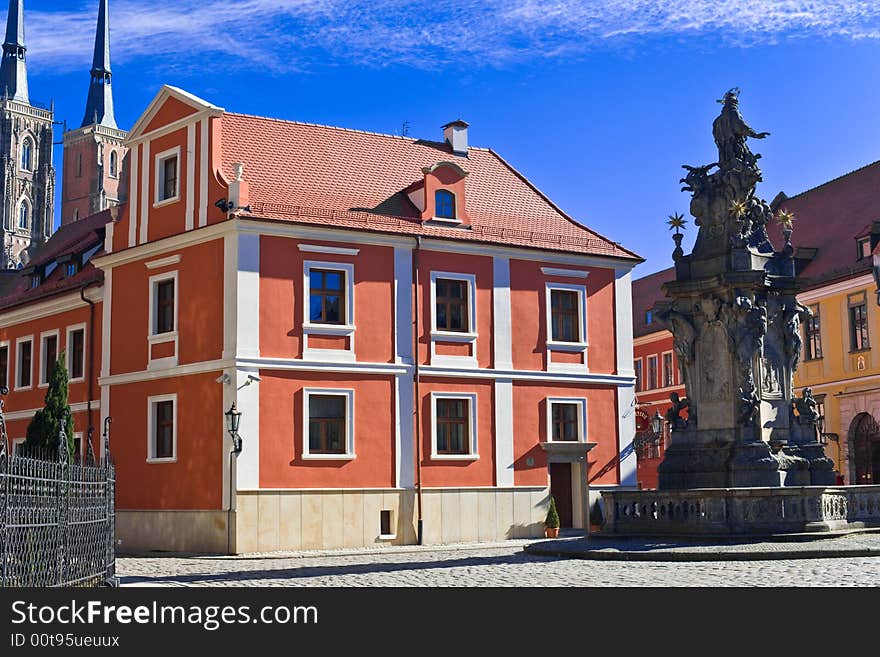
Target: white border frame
(151,428)
(69,352)
(158,161)
(456,220)
(82,444)
(347,329)
(574,347)
(5,343)
(473,452)
(43,365)
(161,338)
(466,337)
(639,383)
(581,403)
(14,442)
(18,342)
(348,393)
(647,372)
(663,370)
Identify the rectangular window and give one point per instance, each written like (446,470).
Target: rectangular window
(813,335)
(864,248)
(4,366)
(452,305)
(168,180)
(668,370)
(24,367)
(385,524)
(164,310)
(48,357)
(565,316)
(651,382)
(858,322)
(71,269)
(327,424)
(565,423)
(163,428)
(327,296)
(453,426)
(649,317)
(640,382)
(76,343)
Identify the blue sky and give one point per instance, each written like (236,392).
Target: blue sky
(598,103)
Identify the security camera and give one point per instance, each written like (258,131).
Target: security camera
(223,378)
(254,377)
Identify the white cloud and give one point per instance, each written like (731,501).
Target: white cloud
(291,34)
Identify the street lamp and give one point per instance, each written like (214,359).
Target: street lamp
(657,422)
(233,420)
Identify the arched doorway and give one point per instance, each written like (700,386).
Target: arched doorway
(864,436)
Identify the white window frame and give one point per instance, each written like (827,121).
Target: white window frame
(69,351)
(647,372)
(581,404)
(346,330)
(15,443)
(161,338)
(18,342)
(151,428)
(473,452)
(159,161)
(44,366)
(672,366)
(465,337)
(348,394)
(639,385)
(5,343)
(82,444)
(574,347)
(447,220)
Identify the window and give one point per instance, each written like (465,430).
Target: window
(167,176)
(858,322)
(27,154)
(452,305)
(564,421)
(162,428)
(386,524)
(24,216)
(79,165)
(48,355)
(328,424)
(35,281)
(637,366)
(114,164)
(76,214)
(454,426)
(76,349)
(668,370)
(71,269)
(24,367)
(564,316)
(649,317)
(651,381)
(444,204)
(813,335)
(4,365)
(18,446)
(864,248)
(326,296)
(164,306)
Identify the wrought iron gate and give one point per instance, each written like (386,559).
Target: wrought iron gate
(57,515)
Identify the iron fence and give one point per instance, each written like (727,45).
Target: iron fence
(57,515)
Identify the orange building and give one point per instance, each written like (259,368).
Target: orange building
(418,340)
(657,374)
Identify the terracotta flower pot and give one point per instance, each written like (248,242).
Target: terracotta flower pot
(551,532)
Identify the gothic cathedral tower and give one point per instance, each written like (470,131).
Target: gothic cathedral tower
(27,177)
(92,177)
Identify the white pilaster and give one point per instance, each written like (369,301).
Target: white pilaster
(503,432)
(502,343)
(203,175)
(190,175)
(404,465)
(247,345)
(133,199)
(404,441)
(626,395)
(403,305)
(145,193)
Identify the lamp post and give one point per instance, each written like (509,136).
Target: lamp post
(233,420)
(657,422)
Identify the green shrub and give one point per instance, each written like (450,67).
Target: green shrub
(552,520)
(44,429)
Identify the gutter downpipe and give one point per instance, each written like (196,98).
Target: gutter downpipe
(91,355)
(418,400)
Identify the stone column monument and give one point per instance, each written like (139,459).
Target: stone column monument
(735,319)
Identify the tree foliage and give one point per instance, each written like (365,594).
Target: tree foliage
(552,520)
(44,429)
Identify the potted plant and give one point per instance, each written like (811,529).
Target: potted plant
(551,524)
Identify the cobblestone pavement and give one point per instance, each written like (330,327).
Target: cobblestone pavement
(496,565)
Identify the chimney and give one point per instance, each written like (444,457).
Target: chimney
(456,135)
(238,189)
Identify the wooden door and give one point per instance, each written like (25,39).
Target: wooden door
(560,489)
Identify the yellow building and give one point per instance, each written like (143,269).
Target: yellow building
(837,229)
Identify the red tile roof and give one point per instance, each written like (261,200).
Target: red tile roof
(830,218)
(72,239)
(334,176)
(646,292)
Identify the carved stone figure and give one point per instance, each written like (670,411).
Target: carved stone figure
(673,413)
(807,407)
(730,132)
(749,405)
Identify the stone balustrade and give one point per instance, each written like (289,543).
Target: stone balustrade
(741,510)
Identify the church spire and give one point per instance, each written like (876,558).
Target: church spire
(13,69)
(99,107)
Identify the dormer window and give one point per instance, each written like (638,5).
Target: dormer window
(27,154)
(444,204)
(71,268)
(864,245)
(35,281)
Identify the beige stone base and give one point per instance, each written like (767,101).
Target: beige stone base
(172,531)
(314,520)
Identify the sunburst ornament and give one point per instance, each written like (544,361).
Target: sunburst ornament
(785,219)
(677,221)
(738,209)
